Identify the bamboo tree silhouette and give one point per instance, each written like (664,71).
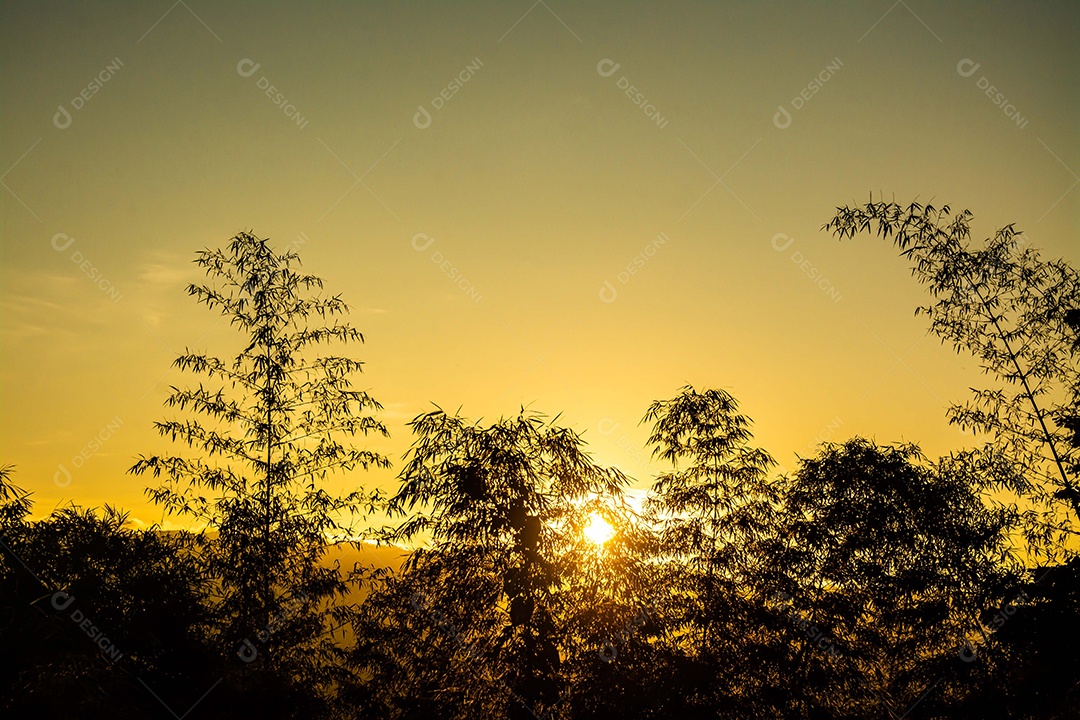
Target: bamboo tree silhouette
(269,430)
(886,560)
(717,501)
(1071,419)
(1009,308)
(477,623)
(714,509)
(15,503)
(840,591)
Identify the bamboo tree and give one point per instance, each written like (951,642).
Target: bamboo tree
(490,614)
(714,507)
(884,561)
(15,503)
(1001,302)
(271,423)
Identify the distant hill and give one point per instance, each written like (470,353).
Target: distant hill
(349,556)
(366,555)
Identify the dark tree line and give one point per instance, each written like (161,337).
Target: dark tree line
(870,582)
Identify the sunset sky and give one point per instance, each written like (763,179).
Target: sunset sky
(574,207)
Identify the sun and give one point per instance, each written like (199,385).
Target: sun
(598,531)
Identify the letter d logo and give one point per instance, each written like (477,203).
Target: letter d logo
(62,118)
(608,293)
(606,426)
(61,600)
(420,238)
(781,237)
(247,652)
(967,67)
(247,67)
(607,67)
(59,238)
(422,118)
(782,118)
(62,477)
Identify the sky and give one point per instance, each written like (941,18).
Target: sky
(574,207)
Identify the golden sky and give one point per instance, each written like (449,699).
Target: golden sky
(576,207)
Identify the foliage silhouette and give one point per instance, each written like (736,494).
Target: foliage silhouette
(1010,309)
(504,604)
(1027,665)
(886,560)
(95,610)
(869,582)
(15,502)
(712,510)
(269,430)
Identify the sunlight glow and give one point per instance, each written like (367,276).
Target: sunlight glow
(598,531)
